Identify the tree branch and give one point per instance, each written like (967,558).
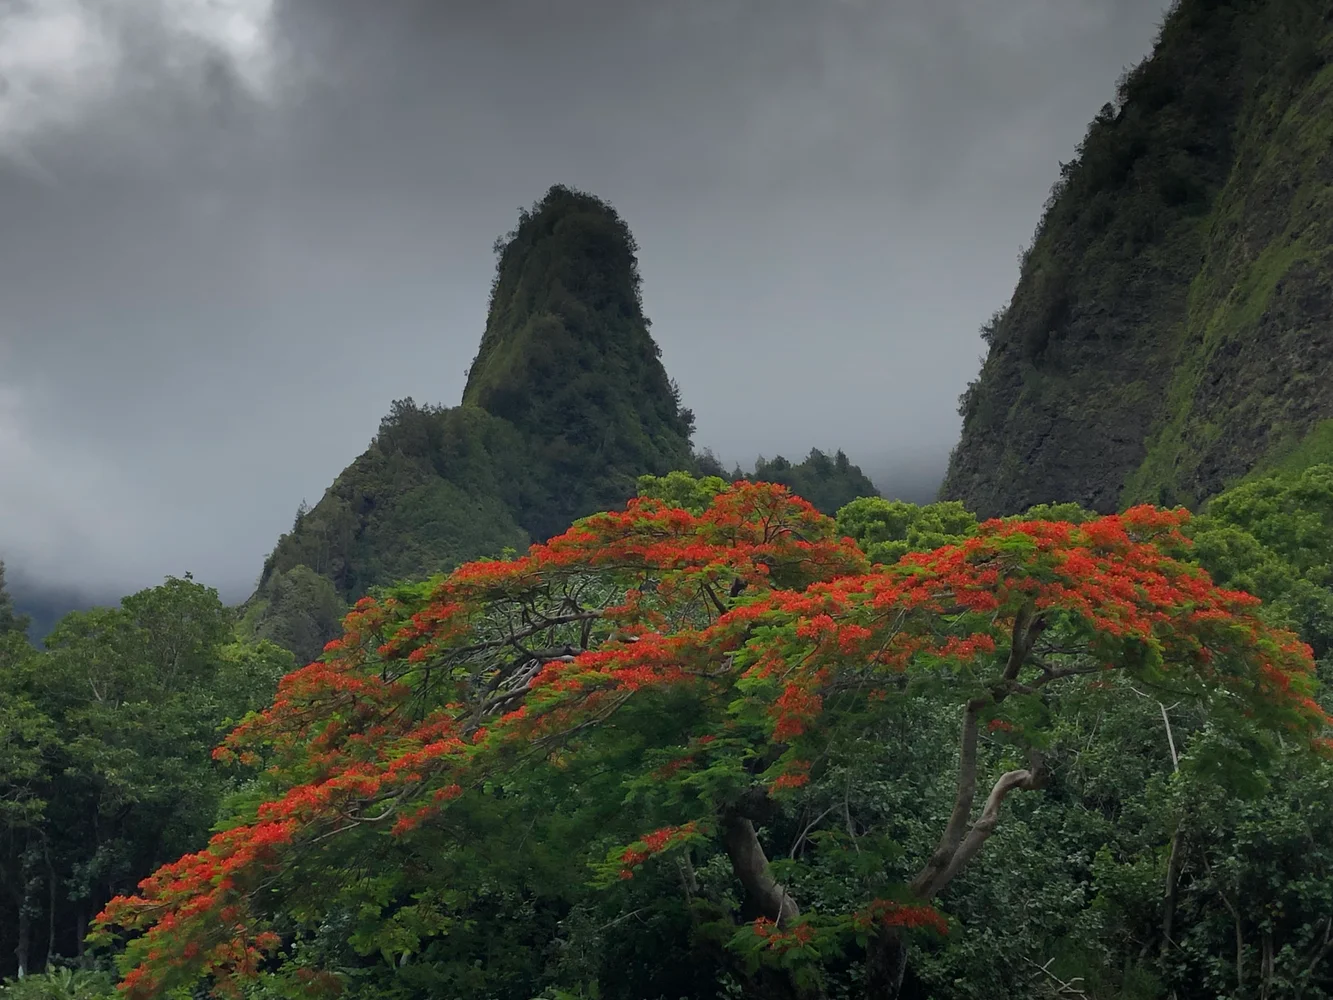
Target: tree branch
(750,864)
(1025,779)
(1025,631)
(962,805)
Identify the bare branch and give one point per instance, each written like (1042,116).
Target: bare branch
(1170,738)
(805,830)
(1026,779)
(1061,987)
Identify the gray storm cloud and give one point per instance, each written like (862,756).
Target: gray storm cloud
(235,230)
(64,61)
(63,65)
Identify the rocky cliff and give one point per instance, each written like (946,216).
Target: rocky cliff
(1172,327)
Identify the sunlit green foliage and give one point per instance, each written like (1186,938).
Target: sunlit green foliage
(888,529)
(1273,536)
(680,489)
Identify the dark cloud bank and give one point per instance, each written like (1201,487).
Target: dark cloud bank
(235,231)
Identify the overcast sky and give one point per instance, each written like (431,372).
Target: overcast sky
(232,231)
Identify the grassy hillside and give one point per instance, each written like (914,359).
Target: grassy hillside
(1172,327)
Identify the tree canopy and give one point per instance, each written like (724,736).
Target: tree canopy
(609,731)
(10,619)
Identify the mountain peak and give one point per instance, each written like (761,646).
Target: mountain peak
(567,404)
(567,357)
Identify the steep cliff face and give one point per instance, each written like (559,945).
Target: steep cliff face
(1172,328)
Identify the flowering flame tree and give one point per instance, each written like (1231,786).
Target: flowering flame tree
(693,670)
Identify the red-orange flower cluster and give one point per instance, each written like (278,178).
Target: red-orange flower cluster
(780,939)
(653,843)
(887,913)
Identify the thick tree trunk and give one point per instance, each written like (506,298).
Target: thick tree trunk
(960,841)
(750,864)
(764,894)
(886,965)
(963,838)
(956,850)
(24,945)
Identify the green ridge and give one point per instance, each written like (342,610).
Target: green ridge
(1172,327)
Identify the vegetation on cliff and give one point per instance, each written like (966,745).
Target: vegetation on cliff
(1173,321)
(568,361)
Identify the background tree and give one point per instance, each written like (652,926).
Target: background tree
(105,755)
(10,620)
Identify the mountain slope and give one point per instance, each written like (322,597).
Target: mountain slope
(435,484)
(567,403)
(1172,327)
(437,487)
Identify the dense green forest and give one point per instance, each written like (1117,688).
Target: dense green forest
(106,737)
(541,702)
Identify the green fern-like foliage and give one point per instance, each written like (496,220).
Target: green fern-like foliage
(60,984)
